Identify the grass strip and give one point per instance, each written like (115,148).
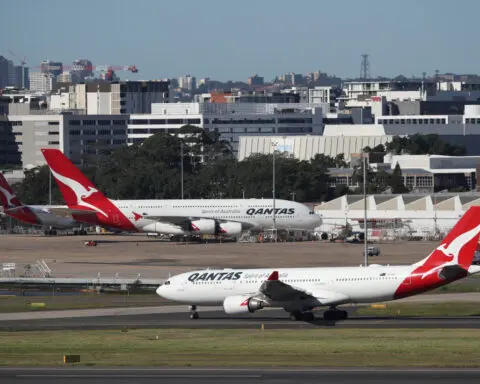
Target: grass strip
(246,348)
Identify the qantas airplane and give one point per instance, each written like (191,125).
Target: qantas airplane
(40,215)
(300,290)
(228,217)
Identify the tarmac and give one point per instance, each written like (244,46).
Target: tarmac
(77,375)
(177,316)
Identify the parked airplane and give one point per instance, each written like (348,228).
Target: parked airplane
(300,290)
(227,217)
(40,215)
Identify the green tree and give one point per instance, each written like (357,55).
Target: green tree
(396,181)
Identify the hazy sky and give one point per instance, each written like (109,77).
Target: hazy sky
(225,39)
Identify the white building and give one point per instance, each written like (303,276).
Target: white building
(306,147)
(41,82)
(319,95)
(110,98)
(187,82)
(389,216)
(231,120)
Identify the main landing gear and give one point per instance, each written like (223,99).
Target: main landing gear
(302,316)
(50,232)
(193,312)
(334,314)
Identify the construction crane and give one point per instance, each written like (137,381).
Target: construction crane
(22,64)
(106,71)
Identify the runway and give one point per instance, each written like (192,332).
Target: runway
(79,375)
(271,319)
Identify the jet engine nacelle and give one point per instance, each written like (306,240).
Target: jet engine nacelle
(203,227)
(236,305)
(230,229)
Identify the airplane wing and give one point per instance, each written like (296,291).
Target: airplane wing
(180,220)
(276,290)
(68,212)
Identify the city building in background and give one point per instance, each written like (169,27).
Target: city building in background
(230,120)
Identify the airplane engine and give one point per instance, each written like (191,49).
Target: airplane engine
(236,305)
(230,229)
(203,227)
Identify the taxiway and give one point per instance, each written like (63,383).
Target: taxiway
(79,375)
(216,319)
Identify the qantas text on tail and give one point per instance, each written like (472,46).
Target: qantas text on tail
(299,290)
(176,217)
(40,215)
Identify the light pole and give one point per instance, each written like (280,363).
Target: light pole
(243,194)
(274,145)
(49,187)
(181,164)
(293,196)
(365,225)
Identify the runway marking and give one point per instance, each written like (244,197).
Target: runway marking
(154,376)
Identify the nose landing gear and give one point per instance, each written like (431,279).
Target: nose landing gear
(193,312)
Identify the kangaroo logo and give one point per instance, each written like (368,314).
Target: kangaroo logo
(80,191)
(452,250)
(9,196)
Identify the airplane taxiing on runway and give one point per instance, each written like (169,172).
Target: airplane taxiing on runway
(227,217)
(300,290)
(39,215)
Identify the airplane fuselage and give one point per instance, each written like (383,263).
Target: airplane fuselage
(251,214)
(357,284)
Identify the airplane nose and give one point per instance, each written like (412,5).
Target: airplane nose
(160,290)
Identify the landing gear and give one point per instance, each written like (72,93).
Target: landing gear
(302,316)
(79,232)
(50,232)
(334,314)
(193,312)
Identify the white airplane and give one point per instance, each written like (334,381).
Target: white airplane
(300,290)
(227,217)
(39,215)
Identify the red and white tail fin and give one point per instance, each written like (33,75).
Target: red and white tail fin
(76,189)
(7,196)
(459,245)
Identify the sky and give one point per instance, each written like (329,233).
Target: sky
(228,39)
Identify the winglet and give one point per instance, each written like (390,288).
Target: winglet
(273,276)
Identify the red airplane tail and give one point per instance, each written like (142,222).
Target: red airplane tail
(12,205)
(9,200)
(81,195)
(73,184)
(459,246)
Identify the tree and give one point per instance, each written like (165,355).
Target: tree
(396,181)
(419,144)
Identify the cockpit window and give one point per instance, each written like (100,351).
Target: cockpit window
(167,283)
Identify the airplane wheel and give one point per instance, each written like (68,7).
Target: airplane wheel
(295,316)
(335,315)
(194,316)
(54,232)
(308,316)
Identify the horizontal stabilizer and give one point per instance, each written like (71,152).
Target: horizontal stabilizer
(473,269)
(68,212)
